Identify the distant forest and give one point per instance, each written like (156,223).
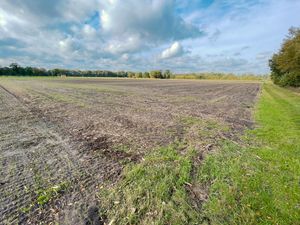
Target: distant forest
(16,70)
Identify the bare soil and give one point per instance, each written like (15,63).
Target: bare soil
(82,132)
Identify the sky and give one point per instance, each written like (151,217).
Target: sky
(236,36)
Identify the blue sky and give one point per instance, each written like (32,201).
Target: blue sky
(236,36)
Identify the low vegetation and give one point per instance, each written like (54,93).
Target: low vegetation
(154,190)
(45,195)
(259,183)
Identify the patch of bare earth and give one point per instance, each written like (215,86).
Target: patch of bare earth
(83,131)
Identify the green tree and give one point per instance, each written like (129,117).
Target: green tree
(138,75)
(15,68)
(28,71)
(285,65)
(131,74)
(156,74)
(146,75)
(167,74)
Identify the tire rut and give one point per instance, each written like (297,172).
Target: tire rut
(35,157)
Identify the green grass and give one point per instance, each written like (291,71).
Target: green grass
(153,192)
(45,195)
(259,184)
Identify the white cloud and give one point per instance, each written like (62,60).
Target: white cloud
(2,20)
(50,12)
(105,20)
(65,45)
(136,26)
(127,45)
(76,10)
(11,25)
(153,20)
(89,31)
(175,50)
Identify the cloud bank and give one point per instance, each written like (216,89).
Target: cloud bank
(185,36)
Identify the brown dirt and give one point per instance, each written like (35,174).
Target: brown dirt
(83,131)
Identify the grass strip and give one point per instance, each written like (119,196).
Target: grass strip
(259,184)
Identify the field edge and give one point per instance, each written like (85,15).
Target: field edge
(258,183)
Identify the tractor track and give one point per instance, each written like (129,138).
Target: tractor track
(35,156)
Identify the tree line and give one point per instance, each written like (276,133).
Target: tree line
(16,70)
(285,65)
(221,76)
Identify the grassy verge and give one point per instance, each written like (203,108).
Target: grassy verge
(259,184)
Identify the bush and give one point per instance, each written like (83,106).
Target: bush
(291,79)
